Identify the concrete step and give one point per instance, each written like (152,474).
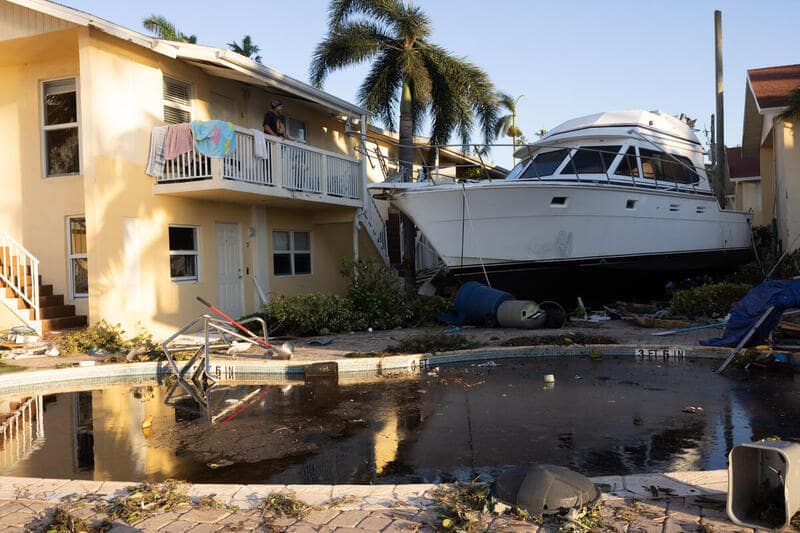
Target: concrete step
(54,324)
(56,311)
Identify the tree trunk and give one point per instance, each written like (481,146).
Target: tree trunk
(406,155)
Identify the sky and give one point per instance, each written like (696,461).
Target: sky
(568,57)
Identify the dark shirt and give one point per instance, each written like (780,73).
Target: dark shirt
(272,119)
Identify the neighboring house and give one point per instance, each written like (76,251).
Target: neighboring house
(745,174)
(775,141)
(382,147)
(79,99)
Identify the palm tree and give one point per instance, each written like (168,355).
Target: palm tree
(507,124)
(408,69)
(247,48)
(164,29)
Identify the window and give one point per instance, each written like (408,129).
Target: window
(628,165)
(591,160)
(662,166)
(60,128)
(77,257)
(177,101)
(291,253)
(516,171)
(296,129)
(544,164)
(183,253)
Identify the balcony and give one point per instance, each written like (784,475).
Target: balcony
(292,174)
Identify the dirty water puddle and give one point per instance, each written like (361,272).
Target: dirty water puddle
(612,416)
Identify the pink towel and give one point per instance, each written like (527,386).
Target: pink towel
(179,140)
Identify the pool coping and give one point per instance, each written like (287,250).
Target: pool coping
(349,370)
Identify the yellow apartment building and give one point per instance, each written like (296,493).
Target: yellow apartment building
(775,141)
(86,234)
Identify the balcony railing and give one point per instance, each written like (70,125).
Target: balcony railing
(289,165)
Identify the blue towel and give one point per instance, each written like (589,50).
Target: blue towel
(214,138)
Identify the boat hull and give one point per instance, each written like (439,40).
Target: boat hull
(515,227)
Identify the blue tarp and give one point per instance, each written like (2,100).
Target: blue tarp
(780,294)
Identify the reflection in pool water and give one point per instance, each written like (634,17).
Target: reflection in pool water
(601,417)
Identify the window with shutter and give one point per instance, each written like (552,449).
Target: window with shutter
(177,101)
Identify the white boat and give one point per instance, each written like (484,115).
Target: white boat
(623,189)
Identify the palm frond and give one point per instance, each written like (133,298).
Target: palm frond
(162,28)
(247,48)
(507,101)
(386,12)
(379,93)
(503,125)
(349,44)
(793,111)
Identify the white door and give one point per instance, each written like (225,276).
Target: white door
(230,286)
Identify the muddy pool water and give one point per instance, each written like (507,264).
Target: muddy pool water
(610,416)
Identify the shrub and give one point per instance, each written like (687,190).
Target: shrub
(375,298)
(307,314)
(108,338)
(375,295)
(714,299)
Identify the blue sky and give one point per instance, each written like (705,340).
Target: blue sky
(570,58)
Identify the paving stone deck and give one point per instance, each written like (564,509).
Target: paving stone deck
(673,502)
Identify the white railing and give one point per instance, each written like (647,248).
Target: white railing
(287,165)
(243,164)
(344,177)
(376,227)
(189,166)
(302,168)
(22,431)
(19,270)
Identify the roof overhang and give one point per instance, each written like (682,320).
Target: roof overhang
(758,122)
(215,61)
(88,20)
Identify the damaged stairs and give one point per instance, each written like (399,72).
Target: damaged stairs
(53,313)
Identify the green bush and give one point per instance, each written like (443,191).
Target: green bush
(714,299)
(375,295)
(107,338)
(307,314)
(375,299)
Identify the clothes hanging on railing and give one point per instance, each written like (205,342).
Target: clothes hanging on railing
(214,138)
(260,144)
(156,159)
(179,140)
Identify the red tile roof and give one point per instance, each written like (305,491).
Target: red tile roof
(772,85)
(742,167)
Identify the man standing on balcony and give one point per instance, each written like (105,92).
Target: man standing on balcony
(274,121)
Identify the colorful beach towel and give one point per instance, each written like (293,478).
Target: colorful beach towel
(214,138)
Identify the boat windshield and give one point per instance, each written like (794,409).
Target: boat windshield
(544,164)
(516,171)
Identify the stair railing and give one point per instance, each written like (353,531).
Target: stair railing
(18,266)
(376,227)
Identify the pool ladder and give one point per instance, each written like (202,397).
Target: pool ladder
(196,377)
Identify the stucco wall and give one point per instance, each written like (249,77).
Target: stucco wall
(33,209)
(787,170)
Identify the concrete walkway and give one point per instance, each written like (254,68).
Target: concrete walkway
(682,501)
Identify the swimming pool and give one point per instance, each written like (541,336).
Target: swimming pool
(607,416)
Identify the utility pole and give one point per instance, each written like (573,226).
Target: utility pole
(719,146)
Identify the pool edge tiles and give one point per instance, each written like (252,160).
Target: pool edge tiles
(236,369)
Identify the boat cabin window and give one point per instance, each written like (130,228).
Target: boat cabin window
(628,165)
(591,160)
(544,164)
(661,166)
(516,171)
